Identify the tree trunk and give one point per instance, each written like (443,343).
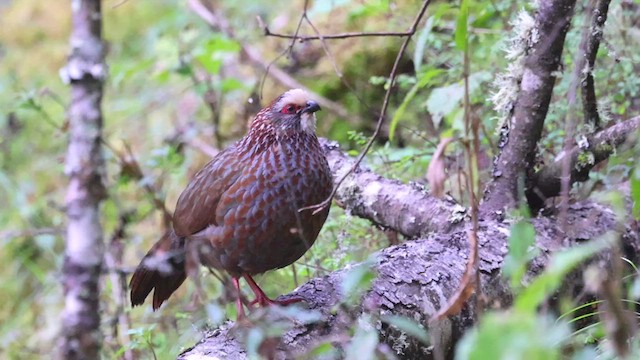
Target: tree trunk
(520,135)
(85,71)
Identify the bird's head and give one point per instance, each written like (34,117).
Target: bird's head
(294,110)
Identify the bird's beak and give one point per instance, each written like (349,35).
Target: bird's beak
(311,107)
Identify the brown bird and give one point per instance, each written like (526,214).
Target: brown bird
(242,211)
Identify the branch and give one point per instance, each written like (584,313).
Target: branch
(547,181)
(84,250)
(413,280)
(304,38)
(373,197)
(591,41)
(520,136)
(218,21)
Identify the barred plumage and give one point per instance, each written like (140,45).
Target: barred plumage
(240,213)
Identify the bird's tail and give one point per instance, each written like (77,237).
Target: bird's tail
(162,269)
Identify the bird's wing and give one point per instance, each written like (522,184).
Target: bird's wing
(197,204)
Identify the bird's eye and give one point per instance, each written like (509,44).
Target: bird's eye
(290,109)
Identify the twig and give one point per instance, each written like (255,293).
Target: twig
(288,50)
(569,141)
(590,43)
(118,4)
(210,98)
(473,124)
(546,182)
(303,38)
(332,59)
(129,164)
(218,22)
(471,279)
(392,78)
(113,261)
(12,234)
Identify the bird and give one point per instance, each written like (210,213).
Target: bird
(248,210)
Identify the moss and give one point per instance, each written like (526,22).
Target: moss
(604,148)
(584,160)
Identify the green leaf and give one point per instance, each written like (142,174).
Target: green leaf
(424,80)
(445,101)
(230,84)
(364,342)
(421,43)
(461,26)
(255,337)
(211,54)
(325,351)
(357,280)
(407,325)
(560,265)
(509,335)
(522,237)
(635,192)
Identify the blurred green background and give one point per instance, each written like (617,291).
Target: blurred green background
(177,89)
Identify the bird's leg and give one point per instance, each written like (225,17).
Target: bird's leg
(262,299)
(241,314)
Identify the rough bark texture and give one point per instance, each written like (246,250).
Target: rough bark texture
(520,138)
(597,148)
(414,280)
(409,210)
(85,71)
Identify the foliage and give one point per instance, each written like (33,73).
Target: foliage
(174,83)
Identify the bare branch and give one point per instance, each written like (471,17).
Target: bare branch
(591,43)
(12,234)
(380,200)
(303,38)
(121,323)
(547,181)
(219,22)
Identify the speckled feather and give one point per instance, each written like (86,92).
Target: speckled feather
(243,205)
(240,212)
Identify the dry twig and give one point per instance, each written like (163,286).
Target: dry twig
(218,21)
(383,111)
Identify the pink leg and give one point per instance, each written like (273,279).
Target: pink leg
(241,314)
(262,299)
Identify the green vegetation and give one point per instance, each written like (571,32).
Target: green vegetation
(174,83)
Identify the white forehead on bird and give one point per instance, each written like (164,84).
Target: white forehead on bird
(293,96)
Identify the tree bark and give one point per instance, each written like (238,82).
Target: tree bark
(595,149)
(85,71)
(519,138)
(407,209)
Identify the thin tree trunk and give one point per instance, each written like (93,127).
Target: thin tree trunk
(519,137)
(85,71)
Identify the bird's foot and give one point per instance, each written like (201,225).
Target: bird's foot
(263,300)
